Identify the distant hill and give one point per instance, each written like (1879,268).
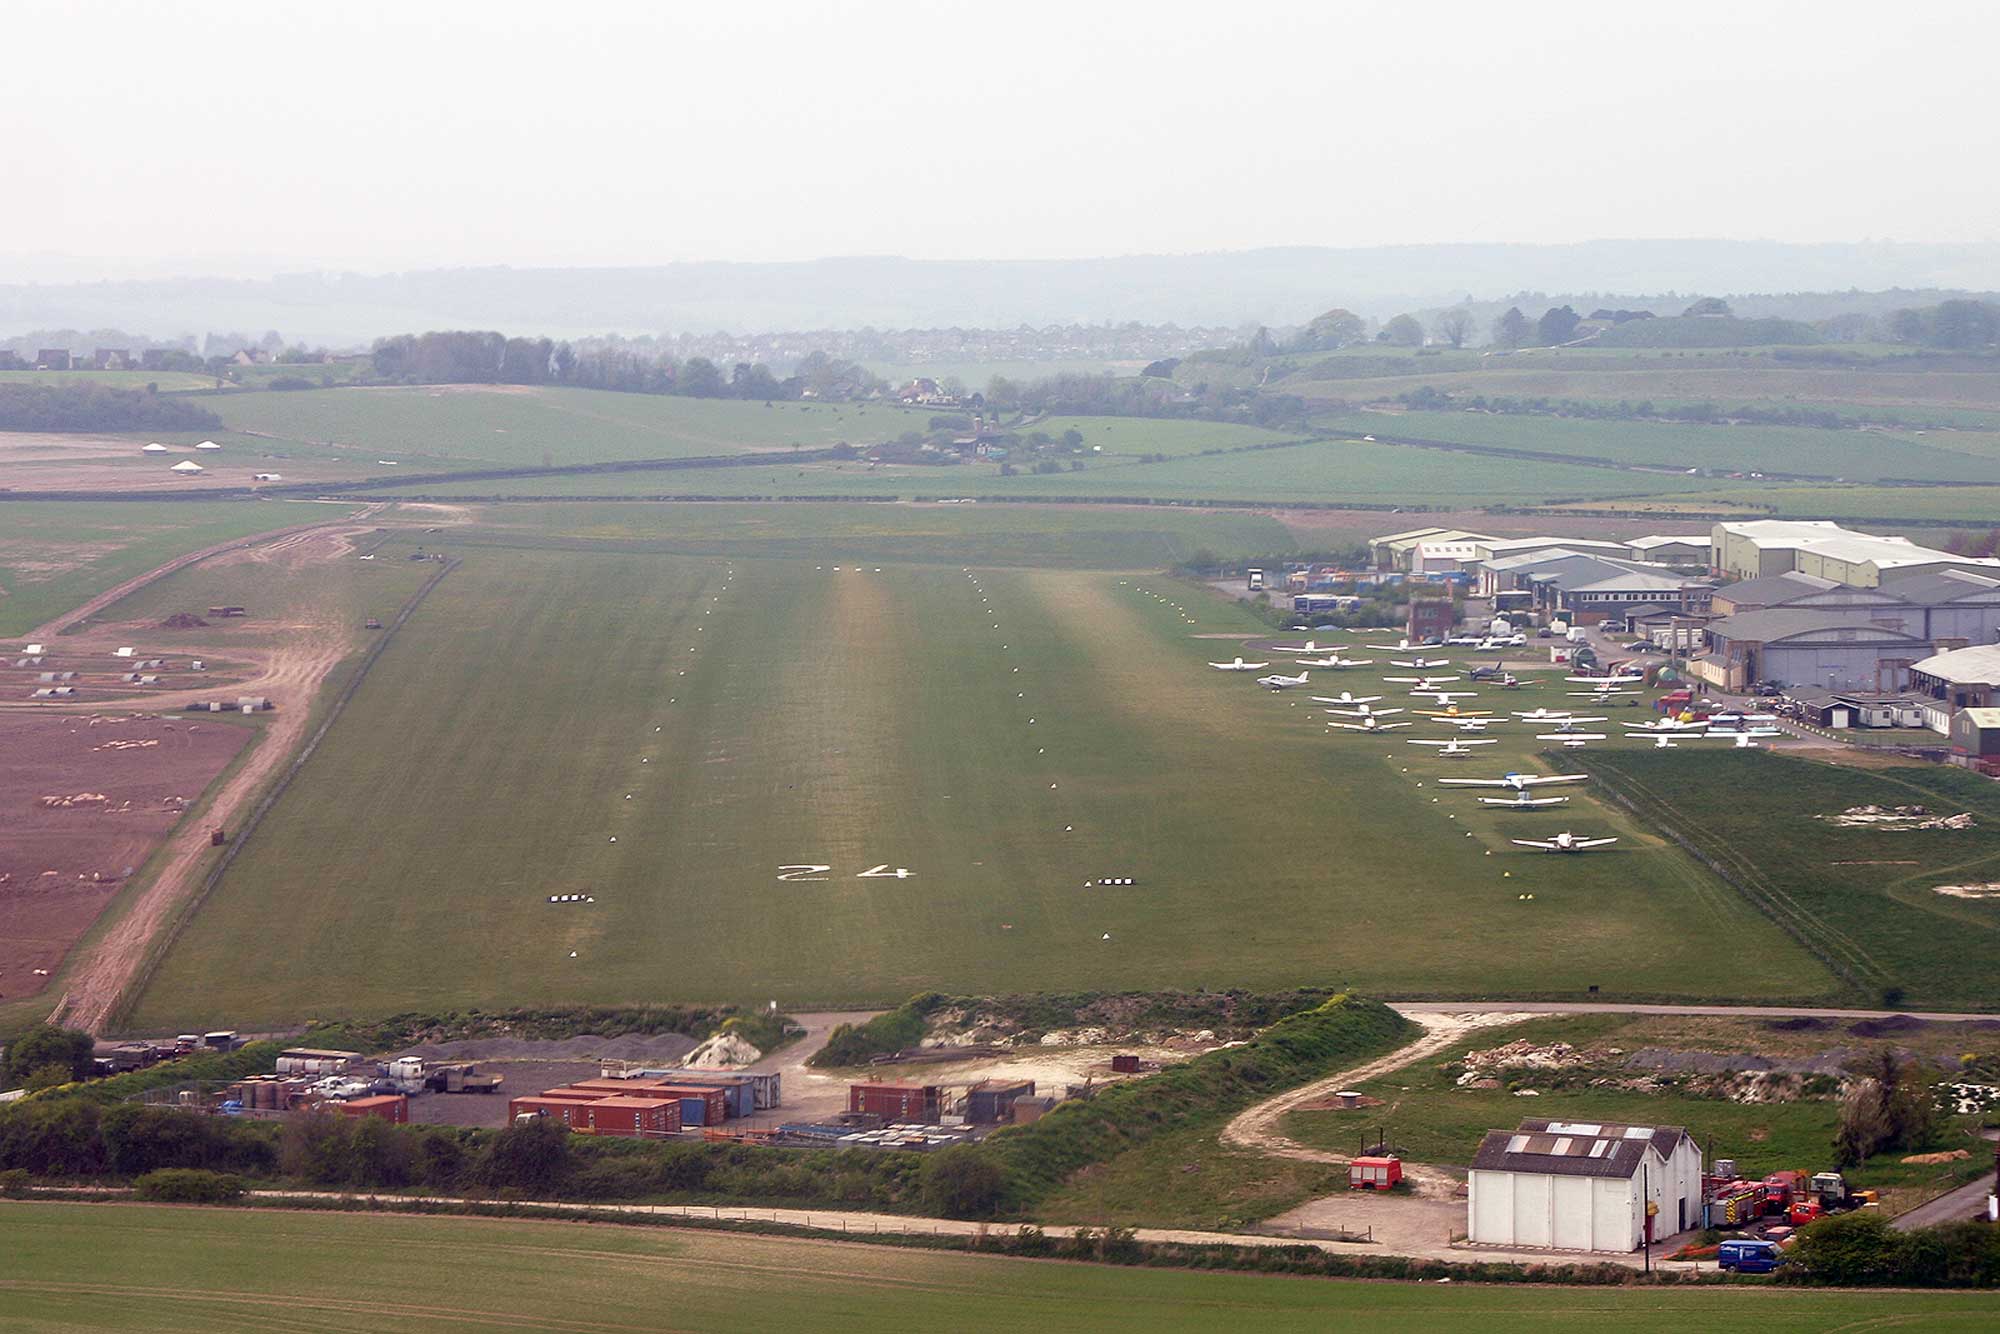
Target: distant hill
(1707,331)
(1273,286)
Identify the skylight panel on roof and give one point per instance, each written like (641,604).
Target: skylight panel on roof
(1517,1143)
(1599,1148)
(1562,1146)
(1638,1132)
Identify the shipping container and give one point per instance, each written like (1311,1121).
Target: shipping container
(388,1106)
(765,1085)
(897,1102)
(699,1106)
(1125,1064)
(991,1102)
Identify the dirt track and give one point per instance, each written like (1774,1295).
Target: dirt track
(290,675)
(1256,1128)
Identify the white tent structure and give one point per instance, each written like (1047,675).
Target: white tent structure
(208,444)
(154,448)
(187,468)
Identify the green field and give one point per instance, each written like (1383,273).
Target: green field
(453,427)
(864,719)
(1328,472)
(120,1267)
(55,555)
(1432,1121)
(167,381)
(1861,898)
(1857,455)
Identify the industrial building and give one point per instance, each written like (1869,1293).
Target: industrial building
(1797,646)
(1666,549)
(1588,588)
(1965,678)
(1975,737)
(1583,1186)
(1761,547)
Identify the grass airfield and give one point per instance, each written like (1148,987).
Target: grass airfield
(1005,736)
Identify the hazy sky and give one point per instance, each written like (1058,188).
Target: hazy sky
(195,138)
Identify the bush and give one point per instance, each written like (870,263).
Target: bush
(961,1182)
(188,1185)
(890,1031)
(89,407)
(14,1183)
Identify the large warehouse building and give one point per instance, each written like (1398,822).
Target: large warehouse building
(1803,647)
(1761,547)
(1582,1186)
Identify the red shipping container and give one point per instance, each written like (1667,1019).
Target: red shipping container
(897,1102)
(389,1106)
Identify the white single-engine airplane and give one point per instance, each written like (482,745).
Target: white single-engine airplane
(1470,722)
(1521,801)
(1400,646)
(1369,723)
(1538,715)
(1419,682)
(1346,697)
(1279,681)
(1310,646)
(1564,842)
(1668,725)
(1606,681)
(1569,722)
(1238,665)
(1744,740)
(1574,740)
(1334,660)
(1363,712)
(1450,710)
(1453,749)
(1420,664)
(1519,782)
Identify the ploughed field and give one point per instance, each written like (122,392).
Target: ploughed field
(114,1267)
(87,798)
(805,781)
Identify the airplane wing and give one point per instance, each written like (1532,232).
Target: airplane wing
(1592,842)
(1569,736)
(1352,727)
(1404,680)
(1546,845)
(1385,727)
(1523,802)
(1475,782)
(1538,780)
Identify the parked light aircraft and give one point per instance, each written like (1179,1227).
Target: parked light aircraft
(1607,681)
(1238,665)
(1363,712)
(1310,646)
(1521,801)
(1453,749)
(1450,709)
(1346,697)
(1420,682)
(1279,681)
(1564,842)
(1420,663)
(1369,723)
(1400,646)
(1574,740)
(1519,782)
(1665,743)
(1745,740)
(1600,696)
(1569,723)
(1467,723)
(1668,725)
(1334,660)
(1735,718)
(1538,715)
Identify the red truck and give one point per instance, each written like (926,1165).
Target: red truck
(1781,1191)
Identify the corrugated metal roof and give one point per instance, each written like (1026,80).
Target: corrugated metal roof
(1773,624)
(1982,718)
(1774,590)
(1587,1149)
(1978,665)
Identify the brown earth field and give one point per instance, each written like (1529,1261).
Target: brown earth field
(31,461)
(103,792)
(1332,527)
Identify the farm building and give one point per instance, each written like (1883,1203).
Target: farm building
(52,359)
(1975,735)
(1582,1186)
(1397,550)
(1965,678)
(1795,646)
(1761,547)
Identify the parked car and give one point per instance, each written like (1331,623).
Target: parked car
(1749,1257)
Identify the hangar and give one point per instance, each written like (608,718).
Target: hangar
(1583,1186)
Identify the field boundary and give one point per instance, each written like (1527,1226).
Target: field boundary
(162,944)
(1653,813)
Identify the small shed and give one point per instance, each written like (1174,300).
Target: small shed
(1975,734)
(991,1101)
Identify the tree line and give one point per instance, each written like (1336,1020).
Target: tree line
(476,357)
(89,407)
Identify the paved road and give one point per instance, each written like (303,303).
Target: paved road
(808,1095)
(1968,1201)
(1720,1011)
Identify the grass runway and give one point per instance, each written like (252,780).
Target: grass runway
(1005,736)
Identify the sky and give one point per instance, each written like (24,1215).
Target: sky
(153,140)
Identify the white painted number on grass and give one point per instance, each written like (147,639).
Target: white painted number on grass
(816,871)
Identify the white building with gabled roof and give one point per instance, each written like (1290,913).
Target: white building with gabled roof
(1583,1186)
